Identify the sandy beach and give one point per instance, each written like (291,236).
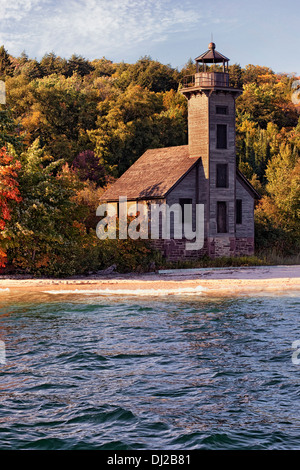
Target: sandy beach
(205,282)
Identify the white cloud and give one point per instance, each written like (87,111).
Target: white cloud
(117,29)
(18,9)
(117,23)
(90,27)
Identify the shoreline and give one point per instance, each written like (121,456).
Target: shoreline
(202,282)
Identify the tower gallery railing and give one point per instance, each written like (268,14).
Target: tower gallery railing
(206,79)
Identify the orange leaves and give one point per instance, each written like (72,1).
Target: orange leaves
(2,258)
(8,191)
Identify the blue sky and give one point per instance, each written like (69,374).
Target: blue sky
(259,32)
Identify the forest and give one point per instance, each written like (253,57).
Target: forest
(71,126)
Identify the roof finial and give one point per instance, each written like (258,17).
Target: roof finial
(211,45)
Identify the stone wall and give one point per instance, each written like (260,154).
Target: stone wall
(244,246)
(174,250)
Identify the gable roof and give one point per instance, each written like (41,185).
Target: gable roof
(247,183)
(152,175)
(156,172)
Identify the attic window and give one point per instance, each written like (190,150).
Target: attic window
(221,109)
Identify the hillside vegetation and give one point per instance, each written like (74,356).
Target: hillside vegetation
(71,126)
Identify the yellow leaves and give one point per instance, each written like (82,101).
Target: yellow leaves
(31,122)
(248,127)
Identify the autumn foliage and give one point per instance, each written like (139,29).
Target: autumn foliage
(8,191)
(75,125)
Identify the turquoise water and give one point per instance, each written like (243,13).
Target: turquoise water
(88,372)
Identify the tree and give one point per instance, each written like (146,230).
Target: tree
(5,63)
(45,234)
(278,214)
(51,64)
(8,129)
(258,74)
(188,69)
(149,74)
(79,65)
(61,112)
(235,76)
(267,102)
(133,122)
(283,176)
(9,191)
(31,69)
(103,67)
(88,167)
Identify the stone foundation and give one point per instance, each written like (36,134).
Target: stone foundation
(174,250)
(244,246)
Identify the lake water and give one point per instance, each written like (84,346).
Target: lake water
(174,372)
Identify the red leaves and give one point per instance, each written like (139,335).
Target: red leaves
(8,190)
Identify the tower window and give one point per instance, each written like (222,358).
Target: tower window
(221,136)
(186,216)
(222,175)
(221,217)
(221,109)
(239,217)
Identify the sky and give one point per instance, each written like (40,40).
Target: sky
(259,32)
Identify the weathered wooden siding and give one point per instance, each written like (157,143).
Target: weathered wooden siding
(185,189)
(246,228)
(198,125)
(218,98)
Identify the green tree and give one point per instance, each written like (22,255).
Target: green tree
(133,122)
(149,74)
(6,68)
(236,76)
(8,129)
(266,103)
(278,214)
(79,65)
(103,67)
(62,111)
(26,67)
(51,63)
(188,69)
(45,234)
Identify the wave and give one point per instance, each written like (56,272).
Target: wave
(137,292)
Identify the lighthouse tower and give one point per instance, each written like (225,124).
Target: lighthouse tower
(211,136)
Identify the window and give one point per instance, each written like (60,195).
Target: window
(186,214)
(221,136)
(221,217)
(238,212)
(222,175)
(221,110)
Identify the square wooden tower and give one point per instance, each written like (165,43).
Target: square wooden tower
(211,136)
